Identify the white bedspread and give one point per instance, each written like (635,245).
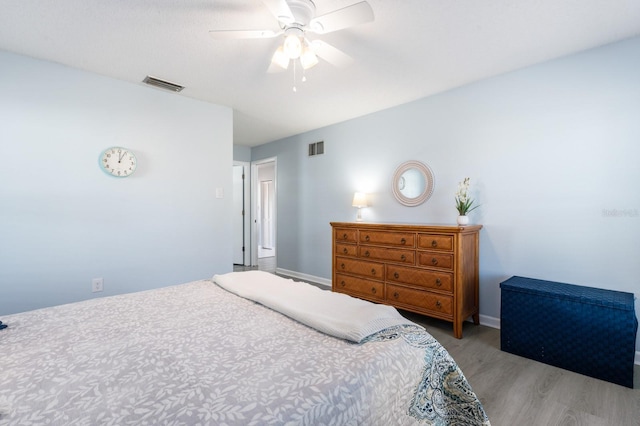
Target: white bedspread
(196,354)
(336,314)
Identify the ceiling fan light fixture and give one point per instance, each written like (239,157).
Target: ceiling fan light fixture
(280,58)
(308,59)
(293,46)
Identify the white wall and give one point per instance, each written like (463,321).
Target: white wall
(63,221)
(552,152)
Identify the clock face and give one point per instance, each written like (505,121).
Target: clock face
(118,162)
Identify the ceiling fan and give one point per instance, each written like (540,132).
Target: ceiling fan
(296,18)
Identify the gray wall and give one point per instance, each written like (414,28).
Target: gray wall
(552,152)
(63,221)
(241,153)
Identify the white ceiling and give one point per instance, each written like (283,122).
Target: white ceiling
(413,49)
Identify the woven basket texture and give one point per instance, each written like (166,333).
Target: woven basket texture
(587,330)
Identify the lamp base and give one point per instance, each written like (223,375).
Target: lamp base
(359,215)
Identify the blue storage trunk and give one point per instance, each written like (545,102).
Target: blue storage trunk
(588,330)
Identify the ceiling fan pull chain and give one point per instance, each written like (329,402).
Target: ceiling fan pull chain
(294,76)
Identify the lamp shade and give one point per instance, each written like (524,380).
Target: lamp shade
(280,59)
(359,199)
(308,59)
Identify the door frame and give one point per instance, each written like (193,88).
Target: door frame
(254,205)
(247,210)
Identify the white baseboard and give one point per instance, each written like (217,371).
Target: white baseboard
(304,277)
(490,321)
(484,319)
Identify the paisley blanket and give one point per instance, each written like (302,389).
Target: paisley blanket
(197,354)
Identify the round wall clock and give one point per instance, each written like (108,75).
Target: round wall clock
(118,161)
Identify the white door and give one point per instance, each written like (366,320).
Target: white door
(238,215)
(266,214)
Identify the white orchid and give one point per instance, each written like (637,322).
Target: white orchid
(463,202)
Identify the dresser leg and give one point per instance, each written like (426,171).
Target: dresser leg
(476,319)
(457,329)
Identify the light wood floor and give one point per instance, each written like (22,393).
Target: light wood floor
(267,264)
(517,391)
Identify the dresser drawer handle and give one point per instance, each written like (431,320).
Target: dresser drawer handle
(403,257)
(396,295)
(342,283)
(373,290)
(345,251)
(366,238)
(434,261)
(342,265)
(396,275)
(438,282)
(438,304)
(373,271)
(344,236)
(434,243)
(366,253)
(403,241)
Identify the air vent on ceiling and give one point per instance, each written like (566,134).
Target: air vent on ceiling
(316,148)
(152,81)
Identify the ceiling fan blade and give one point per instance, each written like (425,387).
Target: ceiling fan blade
(242,34)
(331,54)
(280,9)
(349,16)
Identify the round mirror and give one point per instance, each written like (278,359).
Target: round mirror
(412,183)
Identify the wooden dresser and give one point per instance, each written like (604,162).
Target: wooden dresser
(428,269)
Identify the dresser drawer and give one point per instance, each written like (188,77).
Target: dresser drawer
(398,239)
(387,254)
(435,260)
(359,287)
(346,250)
(421,278)
(435,242)
(360,267)
(421,299)
(345,235)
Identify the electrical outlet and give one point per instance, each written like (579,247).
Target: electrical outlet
(97,285)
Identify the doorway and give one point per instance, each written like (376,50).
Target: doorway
(264,197)
(266,234)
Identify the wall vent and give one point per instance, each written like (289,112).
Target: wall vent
(316,148)
(167,85)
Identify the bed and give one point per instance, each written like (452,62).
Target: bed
(220,352)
